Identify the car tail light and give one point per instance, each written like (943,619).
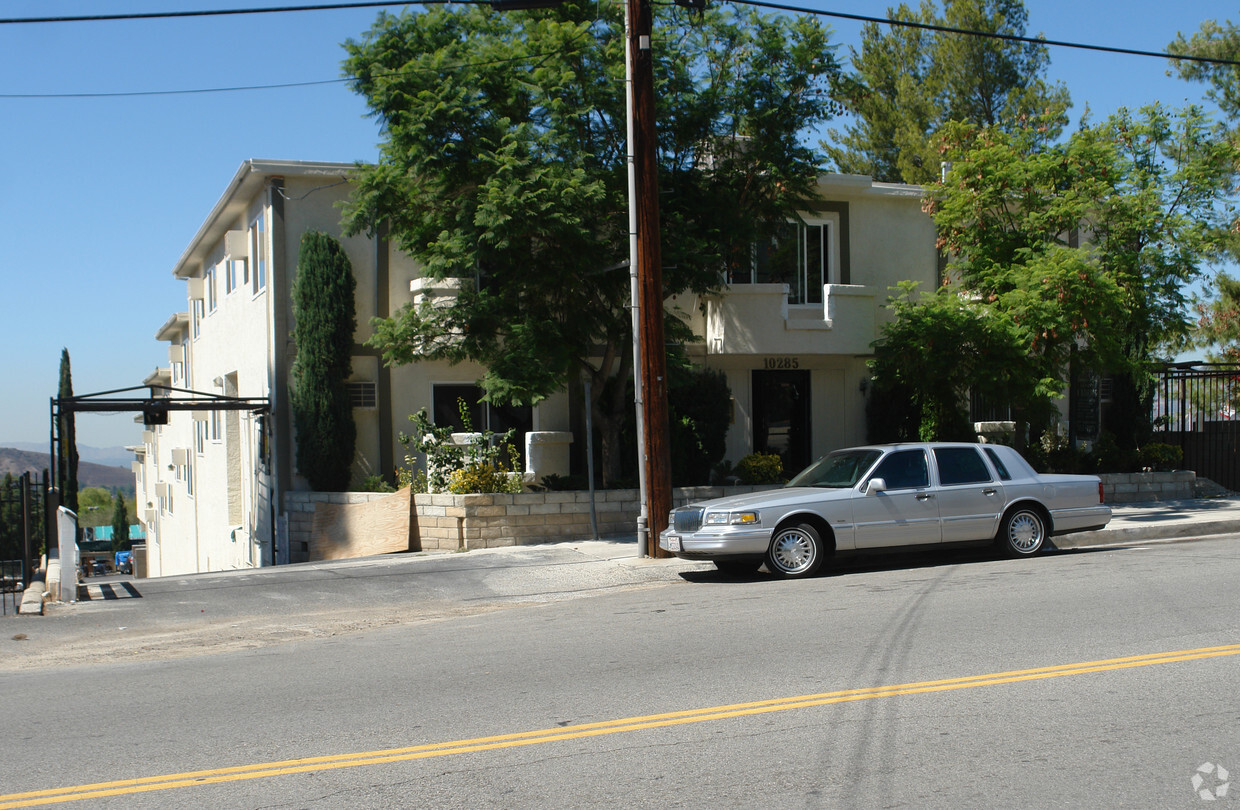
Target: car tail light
(1101,496)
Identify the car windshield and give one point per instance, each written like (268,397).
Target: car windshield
(837,470)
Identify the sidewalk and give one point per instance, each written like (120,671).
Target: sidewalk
(1130,523)
(1161,520)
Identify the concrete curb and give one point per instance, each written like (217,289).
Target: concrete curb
(32,597)
(1122,535)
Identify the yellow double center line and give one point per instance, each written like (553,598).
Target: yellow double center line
(268,769)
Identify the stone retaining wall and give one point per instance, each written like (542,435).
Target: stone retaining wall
(1148,486)
(452,522)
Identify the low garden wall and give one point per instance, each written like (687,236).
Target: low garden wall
(1148,486)
(333,525)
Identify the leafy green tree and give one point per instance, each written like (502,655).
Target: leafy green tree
(120,525)
(503,170)
(1089,245)
(67,461)
(95,504)
(1216,41)
(938,350)
(699,406)
(909,82)
(323,308)
(11,546)
(1219,324)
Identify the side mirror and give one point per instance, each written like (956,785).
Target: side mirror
(875,486)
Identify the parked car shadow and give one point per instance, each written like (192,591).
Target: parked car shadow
(894,560)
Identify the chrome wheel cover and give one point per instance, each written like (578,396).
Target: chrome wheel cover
(792,551)
(1025,532)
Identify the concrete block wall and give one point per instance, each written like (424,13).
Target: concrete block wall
(1148,486)
(452,522)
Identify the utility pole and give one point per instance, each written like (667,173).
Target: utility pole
(656,454)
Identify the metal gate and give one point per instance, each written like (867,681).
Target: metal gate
(1195,409)
(22,534)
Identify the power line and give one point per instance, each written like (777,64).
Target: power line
(190,92)
(986,34)
(360,5)
(163,15)
(392,74)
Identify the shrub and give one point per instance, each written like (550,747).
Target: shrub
(561,483)
(375,483)
(760,468)
(1161,457)
(455,468)
(1109,457)
(483,478)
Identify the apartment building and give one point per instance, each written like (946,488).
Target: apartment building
(792,334)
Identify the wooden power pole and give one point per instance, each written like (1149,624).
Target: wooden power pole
(656,458)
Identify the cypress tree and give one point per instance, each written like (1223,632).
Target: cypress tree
(120,524)
(67,460)
(323,306)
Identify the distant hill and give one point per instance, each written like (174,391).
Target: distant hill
(89,474)
(108,456)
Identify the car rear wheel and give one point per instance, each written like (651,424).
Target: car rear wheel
(795,551)
(1023,533)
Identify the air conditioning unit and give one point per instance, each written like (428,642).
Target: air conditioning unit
(237,245)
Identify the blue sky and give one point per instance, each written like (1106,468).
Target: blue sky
(100,196)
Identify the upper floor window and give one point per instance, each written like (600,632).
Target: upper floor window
(208,283)
(196,316)
(798,254)
(230,275)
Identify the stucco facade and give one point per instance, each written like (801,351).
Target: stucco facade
(793,342)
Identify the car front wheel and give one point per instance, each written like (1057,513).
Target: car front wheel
(738,566)
(1023,533)
(795,551)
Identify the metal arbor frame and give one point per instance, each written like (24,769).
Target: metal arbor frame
(154,409)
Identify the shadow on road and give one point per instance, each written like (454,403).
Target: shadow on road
(895,560)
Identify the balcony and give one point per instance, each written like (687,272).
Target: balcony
(757,319)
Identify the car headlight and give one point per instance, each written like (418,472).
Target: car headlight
(749,518)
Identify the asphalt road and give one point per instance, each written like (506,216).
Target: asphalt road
(1084,678)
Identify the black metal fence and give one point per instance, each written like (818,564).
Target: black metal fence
(1195,409)
(22,534)
(11,585)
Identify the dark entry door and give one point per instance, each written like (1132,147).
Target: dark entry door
(781,417)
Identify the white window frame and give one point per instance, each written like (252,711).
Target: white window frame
(197,313)
(829,259)
(208,282)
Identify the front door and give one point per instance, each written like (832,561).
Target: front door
(781,417)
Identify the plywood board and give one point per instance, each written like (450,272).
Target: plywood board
(346,530)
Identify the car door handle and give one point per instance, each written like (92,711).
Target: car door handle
(989,491)
(925,496)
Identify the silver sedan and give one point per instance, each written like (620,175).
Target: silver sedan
(885,496)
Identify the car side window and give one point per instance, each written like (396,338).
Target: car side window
(904,469)
(1004,475)
(960,465)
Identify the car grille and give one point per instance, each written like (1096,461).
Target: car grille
(687,519)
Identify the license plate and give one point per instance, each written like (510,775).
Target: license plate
(671,542)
